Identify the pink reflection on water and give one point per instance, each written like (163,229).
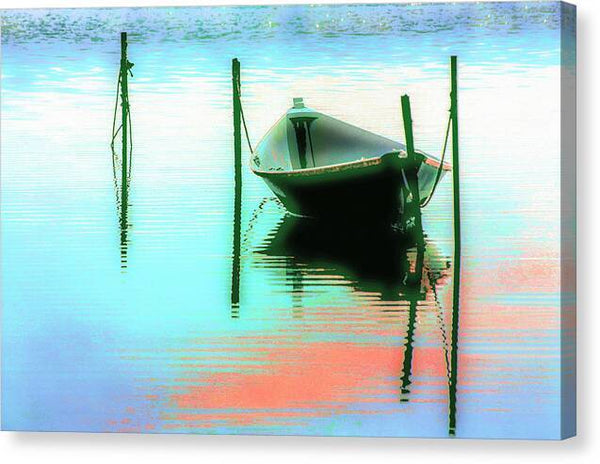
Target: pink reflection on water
(319,378)
(342,361)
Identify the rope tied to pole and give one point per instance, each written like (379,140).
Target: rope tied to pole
(438,174)
(239,91)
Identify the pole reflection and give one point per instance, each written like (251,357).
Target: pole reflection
(121,186)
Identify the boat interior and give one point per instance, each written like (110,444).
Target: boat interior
(304,138)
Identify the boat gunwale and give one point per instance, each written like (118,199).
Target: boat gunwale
(366,162)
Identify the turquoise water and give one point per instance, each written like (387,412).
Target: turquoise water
(112,325)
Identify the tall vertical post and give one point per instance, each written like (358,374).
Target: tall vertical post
(237,121)
(124,69)
(237,207)
(407,120)
(124,114)
(452,381)
(414,226)
(455,161)
(412,203)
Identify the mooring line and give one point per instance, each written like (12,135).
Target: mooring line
(244,118)
(441,166)
(130,141)
(114,134)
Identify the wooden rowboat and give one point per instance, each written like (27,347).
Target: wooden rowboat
(321,167)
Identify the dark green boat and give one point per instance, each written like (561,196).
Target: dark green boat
(321,167)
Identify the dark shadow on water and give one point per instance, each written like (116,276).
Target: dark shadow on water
(373,259)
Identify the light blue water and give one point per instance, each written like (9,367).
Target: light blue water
(105,334)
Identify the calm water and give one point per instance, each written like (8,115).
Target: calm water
(112,328)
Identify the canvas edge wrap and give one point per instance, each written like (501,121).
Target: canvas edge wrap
(568,220)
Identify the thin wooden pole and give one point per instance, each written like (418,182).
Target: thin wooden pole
(237,126)
(452,381)
(412,216)
(237,208)
(124,118)
(455,161)
(413,200)
(408,132)
(124,68)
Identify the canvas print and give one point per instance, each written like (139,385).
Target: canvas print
(332,220)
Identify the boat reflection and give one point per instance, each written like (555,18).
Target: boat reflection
(374,261)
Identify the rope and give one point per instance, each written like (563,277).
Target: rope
(130,141)
(239,89)
(114,134)
(440,168)
(409,196)
(112,142)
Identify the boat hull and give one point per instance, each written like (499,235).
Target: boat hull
(366,190)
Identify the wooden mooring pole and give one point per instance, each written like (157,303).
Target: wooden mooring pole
(124,119)
(237,121)
(455,161)
(412,200)
(452,381)
(237,207)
